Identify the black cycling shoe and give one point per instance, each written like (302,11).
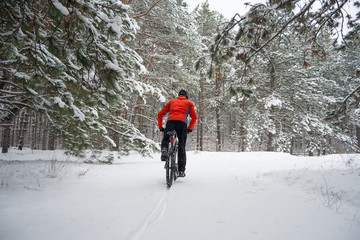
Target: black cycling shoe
(182,174)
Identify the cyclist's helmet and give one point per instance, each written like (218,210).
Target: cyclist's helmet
(183,93)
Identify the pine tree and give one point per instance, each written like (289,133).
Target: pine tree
(284,91)
(211,82)
(70,61)
(168,43)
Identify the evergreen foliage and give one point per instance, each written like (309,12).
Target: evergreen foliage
(70,60)
(168,42)
(282,88)
(283,77)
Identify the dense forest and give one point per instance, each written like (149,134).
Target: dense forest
(93,74)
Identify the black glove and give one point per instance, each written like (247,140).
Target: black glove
(189,130)
(162,129)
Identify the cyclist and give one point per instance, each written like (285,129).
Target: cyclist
(179,110)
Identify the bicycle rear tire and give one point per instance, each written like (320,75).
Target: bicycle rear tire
(171,164)
(169,173)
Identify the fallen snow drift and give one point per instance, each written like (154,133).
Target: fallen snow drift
(267,196)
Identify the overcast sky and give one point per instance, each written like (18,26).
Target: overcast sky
(227,7)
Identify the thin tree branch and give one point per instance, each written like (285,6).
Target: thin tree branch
(350,95)
(146,117)
(11,83)
(330,15)
(342,108)
(146,13)
(227,29)
(306,8)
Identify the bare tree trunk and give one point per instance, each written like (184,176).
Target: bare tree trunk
(310,151)
(29,129)
(37,131)
(51,142)
(218,120)
(218,130)
(242,131)
(242,137)
(198,139)
(270,147)
(116,135)
(6,137)
(358,136)
(7,123)
(14,131)
(136,111)
(5,144)
(292,146)
(33,130)
(44,132)
(198,128)
(126,115)
(201,123)
(23,129)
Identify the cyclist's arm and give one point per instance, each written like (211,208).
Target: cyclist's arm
(161,114)
(193,116)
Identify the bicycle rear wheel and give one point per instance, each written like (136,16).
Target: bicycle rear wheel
(171,164)
(169,174)
(174,167)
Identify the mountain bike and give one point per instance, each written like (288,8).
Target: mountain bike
(171,163)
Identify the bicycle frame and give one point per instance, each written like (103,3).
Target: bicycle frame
(171,164)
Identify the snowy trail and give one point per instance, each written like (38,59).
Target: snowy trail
(257,196)
(155,215)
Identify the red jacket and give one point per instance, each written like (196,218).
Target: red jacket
(179,109)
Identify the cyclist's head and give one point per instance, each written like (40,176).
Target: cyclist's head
(183,93)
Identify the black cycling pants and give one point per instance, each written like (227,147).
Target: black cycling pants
(181,130)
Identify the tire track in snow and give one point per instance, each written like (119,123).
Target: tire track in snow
(157,213)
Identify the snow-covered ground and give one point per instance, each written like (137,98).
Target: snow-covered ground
(249,196)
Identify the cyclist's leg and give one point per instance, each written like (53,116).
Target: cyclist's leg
(182,135)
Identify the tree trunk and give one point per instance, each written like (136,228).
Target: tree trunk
(197,139)
(270,147)
(115,135)
(23,130)
(51,142)
(7,123)
(201,122)
(292,146)
(218,130)
(14,131)
(33,131)
(358,136)
(198,128)
(44,130)
(242,131)
(136,110)
(311,153)
(242,136)
(218,120)
(6,138)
